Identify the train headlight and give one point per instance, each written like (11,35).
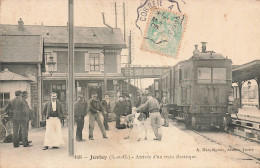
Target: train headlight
(231,98)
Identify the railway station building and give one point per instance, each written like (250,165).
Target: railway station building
(97,57)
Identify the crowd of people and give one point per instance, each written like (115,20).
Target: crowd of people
(99,112)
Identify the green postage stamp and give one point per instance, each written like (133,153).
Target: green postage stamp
(164,32)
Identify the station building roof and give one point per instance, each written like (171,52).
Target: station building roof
(7,75)
(21,48)
(58,35)
(248,71)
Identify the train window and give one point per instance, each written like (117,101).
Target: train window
(185,74)
(180,75)
(204,75)
(184,94)
(219,75)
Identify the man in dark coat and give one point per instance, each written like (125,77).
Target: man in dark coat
(128,105)
(119,110)
(20,116)
(95,109)
(106,109)
(31,116)
(138,101)
(48,112)
(80,111)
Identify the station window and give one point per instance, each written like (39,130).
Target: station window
(219,75)
(94,61)
(204,75)
(4,99)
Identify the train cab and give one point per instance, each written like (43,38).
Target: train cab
(199,88)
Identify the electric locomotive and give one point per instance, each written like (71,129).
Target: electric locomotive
(199,89)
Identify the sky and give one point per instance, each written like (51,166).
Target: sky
(230,27)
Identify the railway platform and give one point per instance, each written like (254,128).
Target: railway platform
(186,150)
(247,123)
(251,113)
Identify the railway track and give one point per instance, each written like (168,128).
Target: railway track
(229,146)
(246,128)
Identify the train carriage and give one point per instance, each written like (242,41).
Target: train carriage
(200,89)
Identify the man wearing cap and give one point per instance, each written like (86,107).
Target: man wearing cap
(31,115)
(153,107)
(119,110)
(20,116)
(164,108)
(53,114)
(128,105)
(80,111)
(106,109)
(95,109)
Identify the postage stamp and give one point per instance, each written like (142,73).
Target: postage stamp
(146,5)
(164,32)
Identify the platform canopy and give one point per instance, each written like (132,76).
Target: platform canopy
(246,71)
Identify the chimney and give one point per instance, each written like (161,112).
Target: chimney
(196,51)
(203,47)
(20,25)
(104,22)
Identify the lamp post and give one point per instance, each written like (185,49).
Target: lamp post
(248,86)
(51,64)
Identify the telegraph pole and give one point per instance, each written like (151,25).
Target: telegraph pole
(71,81)
(115,15)
(105,73)
(124,18)
(129,62)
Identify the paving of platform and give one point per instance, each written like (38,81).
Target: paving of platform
(251,113)
(178,148)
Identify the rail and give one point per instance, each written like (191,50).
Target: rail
(246,128)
